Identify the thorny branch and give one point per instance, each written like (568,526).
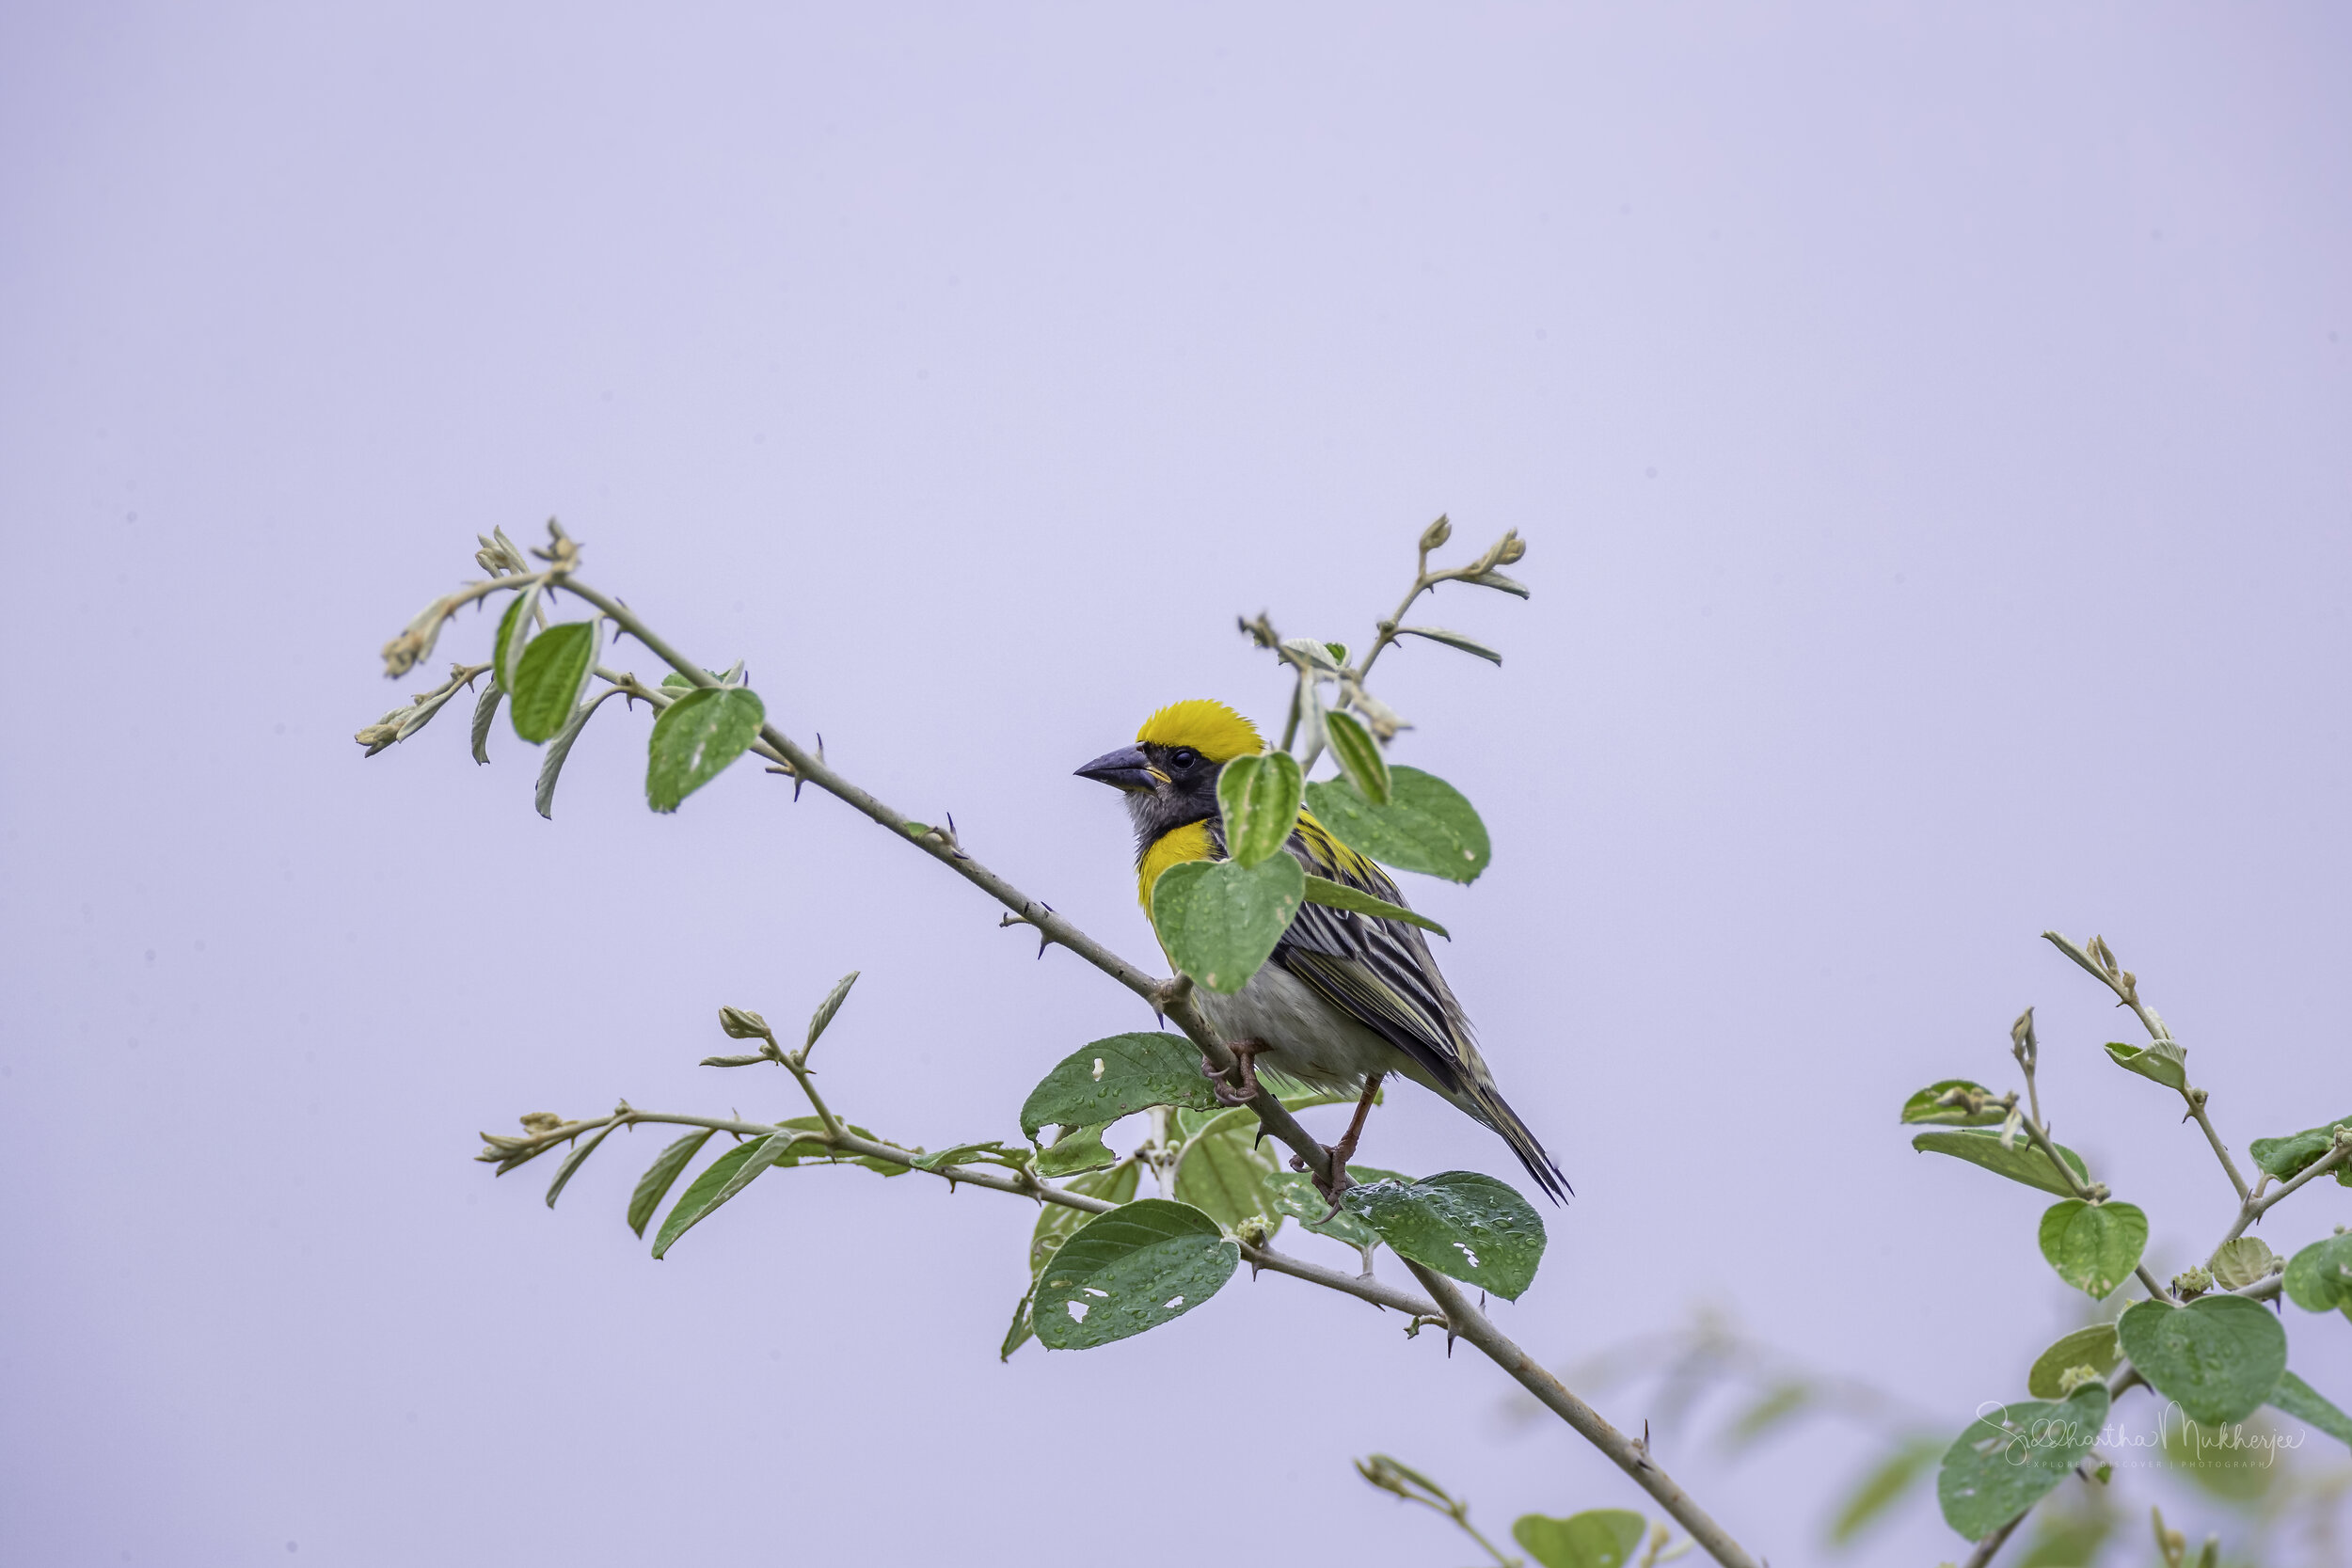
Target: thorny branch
(1173,997)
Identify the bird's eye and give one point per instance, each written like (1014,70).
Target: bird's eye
(1184,756)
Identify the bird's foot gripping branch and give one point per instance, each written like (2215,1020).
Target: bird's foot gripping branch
(1107,1263)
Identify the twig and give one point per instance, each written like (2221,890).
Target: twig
(1467,1323)
(1180,1010)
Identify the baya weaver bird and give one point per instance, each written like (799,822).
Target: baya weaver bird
(1347,999)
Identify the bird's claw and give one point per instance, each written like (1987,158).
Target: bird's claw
(1244,1055)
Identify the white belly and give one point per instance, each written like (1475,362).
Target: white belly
(1305,1036)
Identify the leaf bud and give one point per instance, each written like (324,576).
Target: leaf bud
(416,639)
(1437,533)
(1512,550)
(497,555)
(741,1024)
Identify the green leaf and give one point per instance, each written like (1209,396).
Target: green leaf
(1098,1083)
(514,636)
(1079,1148)
(1224,1176)
(560,748)
(1129,1271)
(1779,1405)
(1882,1486)
(1339,896)
(655,1185)
(726,1176)
(1258,797)
(1021,1333)
(485,710)
(1057,1222)
(2217,1358)
(1294,1194)
(816,1151)
(2299,1400)
(1425,827)
(2319,1277)
(2013,1455)
(1922,1107)
(1597,1537)
(549,677)
(963,1154)
(1358,755)
(1453,640)
(2285,1158)
(2024,1163)
(2242,1260)
(581,1149)
(1219,920)
(1460,1223)
(819,1020)
(696,739)
(2093,1347)
(2094,1248)
(2165,1061)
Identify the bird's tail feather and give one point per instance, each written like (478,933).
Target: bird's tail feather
(1482,1101)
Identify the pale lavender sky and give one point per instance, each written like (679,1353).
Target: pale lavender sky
(1931,436)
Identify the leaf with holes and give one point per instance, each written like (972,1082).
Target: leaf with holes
(2013,1455)
(1056,1223)
(2319,1277)
(1923,1107)
(2094,1248)
(2217,1358)
(1258,798)
(1098,1083)
(549,677)
(696,739)
(1130,1270)
(2164,1062)
(2024,1163)
(1597,1537)
(1078,1149)
(1426,825)
(655,1185)
(1460,1223)
(2093,1347)
(1219,920)
(1358,756)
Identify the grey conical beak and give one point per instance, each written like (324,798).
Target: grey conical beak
(1127,768)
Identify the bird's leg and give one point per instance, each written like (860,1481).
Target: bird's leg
(1344,1150)
(1245,1060)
